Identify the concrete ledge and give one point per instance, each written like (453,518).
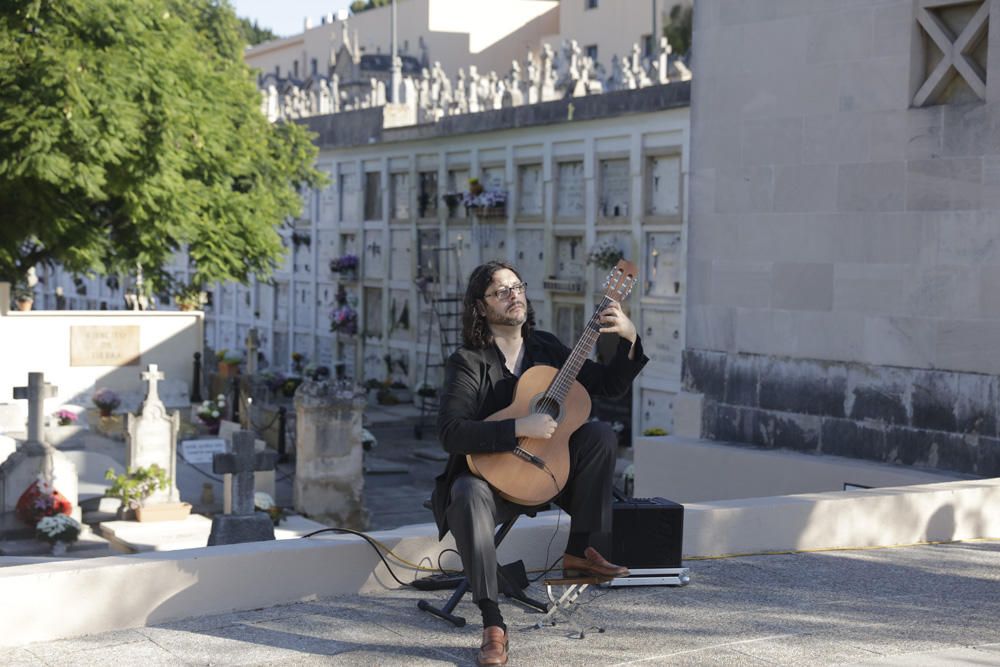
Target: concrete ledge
(688,470)
(118,592)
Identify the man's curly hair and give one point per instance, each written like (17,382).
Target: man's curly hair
(476,332)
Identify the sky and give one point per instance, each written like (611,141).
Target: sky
(286,17)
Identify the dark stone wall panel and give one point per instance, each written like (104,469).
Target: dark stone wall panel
(806,387)
(877,396)
(934,396)
(976,407)
(704,372)
(742,380)
(799,433)
(843,437)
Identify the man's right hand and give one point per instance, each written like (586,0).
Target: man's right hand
(540,427)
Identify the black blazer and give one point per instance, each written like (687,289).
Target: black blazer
(476,385)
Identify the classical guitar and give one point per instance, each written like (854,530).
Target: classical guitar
(536,471)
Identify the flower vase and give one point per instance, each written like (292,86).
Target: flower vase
(59,548)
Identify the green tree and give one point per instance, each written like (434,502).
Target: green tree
(253,33)
(678,29)
(130,129)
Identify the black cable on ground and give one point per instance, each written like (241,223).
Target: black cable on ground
(367,539)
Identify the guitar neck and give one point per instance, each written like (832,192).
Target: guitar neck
(581,351)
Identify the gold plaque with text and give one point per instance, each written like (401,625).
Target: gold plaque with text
(104,346)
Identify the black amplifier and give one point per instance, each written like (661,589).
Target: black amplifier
(647,533)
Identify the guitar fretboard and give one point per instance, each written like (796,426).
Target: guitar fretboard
(559,388)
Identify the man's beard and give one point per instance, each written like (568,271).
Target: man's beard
(510,318)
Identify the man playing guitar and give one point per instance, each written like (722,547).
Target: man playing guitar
(499,344)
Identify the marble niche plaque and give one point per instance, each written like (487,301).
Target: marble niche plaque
(656,410)
(571,257)
(401,314)
(227,339)
(570,189)
(375,254)
(492,241)
(428,255)
(372,324)
(459,257)
(265,301)
(399,193)
(374,365)
(304,344)
(326,251)
(664,185)
(621,240)
(530,189)
(305,307)
(324,351)
(493,178)
(281,302)
(226,295)
(400,252)
(615,183)
(373,195)
(530,259)
(347,197)
(427,197)
(281,351)
(661,338)
(458,183)
(328,202)
(569,321)
(663,264)
(346,359)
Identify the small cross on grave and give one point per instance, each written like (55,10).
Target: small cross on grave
(35,393)
(243,525)
(152,375)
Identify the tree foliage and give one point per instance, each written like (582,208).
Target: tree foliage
(130,129)
(678,29)
(359,6)
(254,34)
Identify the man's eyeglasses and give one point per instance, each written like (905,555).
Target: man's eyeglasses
(503,293)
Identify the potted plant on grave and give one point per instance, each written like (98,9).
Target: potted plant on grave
(24,296)
(344,319)
(210,413)
(189,298)
(263,502)
(106,400)
(475,187)
(59,530)
(229,362)
(654,431)
(424,392)
(136,486)
(290,385)
(65,417)
(346,266)
(605,255)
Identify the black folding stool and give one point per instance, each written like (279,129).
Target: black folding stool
(506,586)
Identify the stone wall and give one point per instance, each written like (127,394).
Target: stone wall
(845,206)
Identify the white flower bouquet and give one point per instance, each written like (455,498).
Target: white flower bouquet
(57,528)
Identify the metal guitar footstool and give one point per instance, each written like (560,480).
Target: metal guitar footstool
(563,604)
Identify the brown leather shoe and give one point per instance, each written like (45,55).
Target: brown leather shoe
(592,564)
(494,648)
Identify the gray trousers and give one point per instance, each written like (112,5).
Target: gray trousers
(475,509)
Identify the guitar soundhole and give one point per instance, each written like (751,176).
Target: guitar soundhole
(547,406)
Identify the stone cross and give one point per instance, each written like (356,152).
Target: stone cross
(253,344)
(241,463)
(152,375)
(35,393)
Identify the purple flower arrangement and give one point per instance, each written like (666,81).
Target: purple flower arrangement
(66,418)
(344,319)
(344,264)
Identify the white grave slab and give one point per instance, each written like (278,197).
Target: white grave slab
(571,257)
(570,190)
(530,189)
(400,196)
(664,185)
(375,254)
(614,193)
(663,264)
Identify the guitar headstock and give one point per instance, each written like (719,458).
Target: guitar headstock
(619,282)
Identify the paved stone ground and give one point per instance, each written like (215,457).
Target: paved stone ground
(926,605)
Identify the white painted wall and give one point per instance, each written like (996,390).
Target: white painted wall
(39,341)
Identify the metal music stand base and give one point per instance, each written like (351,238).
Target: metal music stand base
(563,605)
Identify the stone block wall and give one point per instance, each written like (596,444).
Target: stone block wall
(843,257)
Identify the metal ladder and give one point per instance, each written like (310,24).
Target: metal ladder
(446,317)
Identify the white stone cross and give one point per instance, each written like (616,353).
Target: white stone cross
(35,393)
(152,375)
(954,52)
